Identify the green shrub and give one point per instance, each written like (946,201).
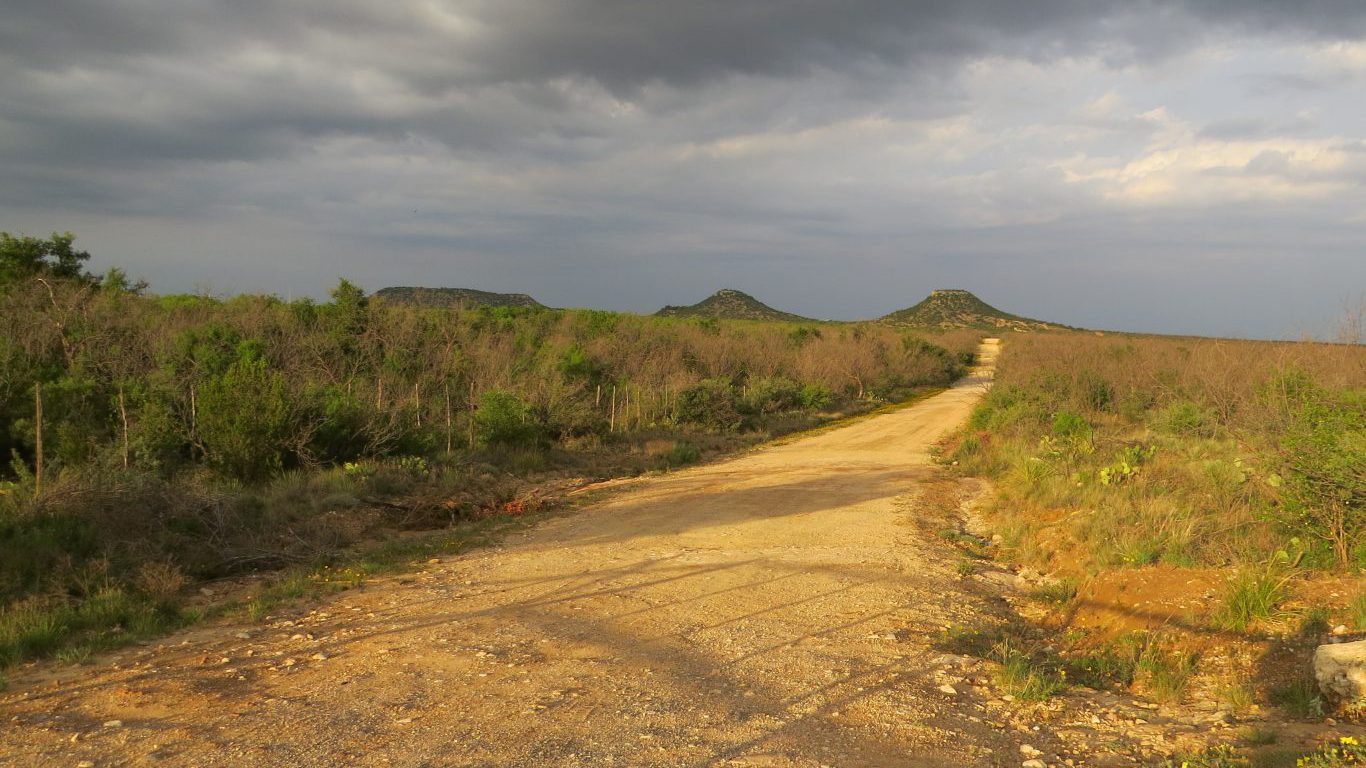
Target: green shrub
(710,403)
(577,365)
(503,419)
(1097,394)
(970,446)
(1185,419)
(815,397)
(1068,425)
(1321,454)
(774,395)
(682,453)
(243,418)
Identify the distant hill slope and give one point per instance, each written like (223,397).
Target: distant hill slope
(454,297)
(730,304)
(954,308)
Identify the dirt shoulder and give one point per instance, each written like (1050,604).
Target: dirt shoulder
(778,609)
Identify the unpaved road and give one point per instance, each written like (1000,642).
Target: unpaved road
(777,609)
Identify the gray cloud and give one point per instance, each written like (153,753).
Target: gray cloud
(594,150)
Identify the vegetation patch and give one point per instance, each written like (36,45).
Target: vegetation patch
(153,443)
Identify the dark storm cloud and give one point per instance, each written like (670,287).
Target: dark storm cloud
(665,143)
(126,81)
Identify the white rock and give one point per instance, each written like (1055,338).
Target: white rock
(1034,763)
(949,689)
(1340,669)
(1028,750)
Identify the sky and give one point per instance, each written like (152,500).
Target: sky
(1173,167)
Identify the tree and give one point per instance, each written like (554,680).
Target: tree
(23,256)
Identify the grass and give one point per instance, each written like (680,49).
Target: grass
(1314,622)
(72,629)
(971,546)
(1258,736)
(1299,698)
(1356,612)
(1166,672)
(1059,592)
(1135,451)
(1253,596)
(1235,695)
(1027,677)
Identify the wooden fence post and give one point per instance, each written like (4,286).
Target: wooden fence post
(123,414)
(37,437)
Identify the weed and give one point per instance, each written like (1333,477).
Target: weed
(257,610)
(1254,595)
(1109,665)
(1258,735)
(1314,622)
(1235,695)
(966,568)
(1221,756)
(1035,470)
(1138,550)
(1138,657)
(968,641)
(682,454)
(1348,751)
(1356,612)
(1025,676)
(1299,698)
(968,448)
(161,580)
(1057,592)
(1166,672)
(74,654)
(1126,464)
(966,543)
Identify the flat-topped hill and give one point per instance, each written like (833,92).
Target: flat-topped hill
(454,297)
(730,304)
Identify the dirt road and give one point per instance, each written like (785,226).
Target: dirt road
(776,609)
